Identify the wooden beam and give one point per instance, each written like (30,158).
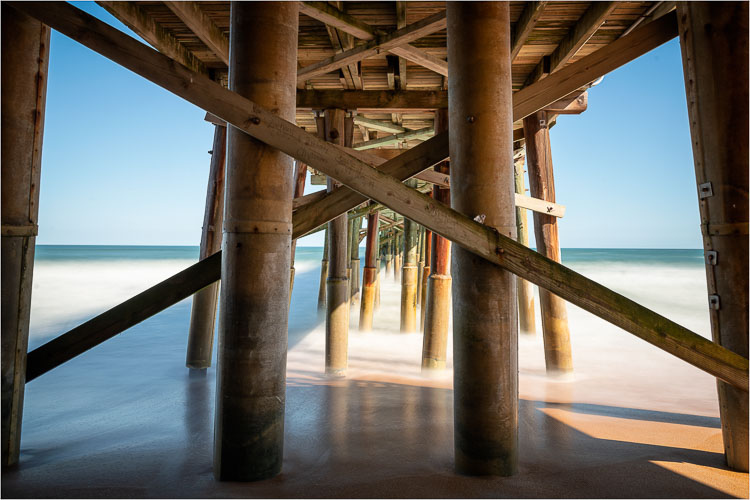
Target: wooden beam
(422,28)
(525,25)
(404,136)
(570,78)
(570,105)
(137,20)
(372,100)
(301,201)
(378,125)
(577,37)
(332,16)
(204,28)
(479,239)
(401,23)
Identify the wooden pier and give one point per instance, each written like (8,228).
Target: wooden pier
(385,103)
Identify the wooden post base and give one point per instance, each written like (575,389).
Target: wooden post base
(202,319)
(436,322)
(355,283)
(337,326)
(322,288)
(557,353)
(409,299)
(423,296)
(369,292)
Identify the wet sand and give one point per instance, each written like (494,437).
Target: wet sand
(128,420)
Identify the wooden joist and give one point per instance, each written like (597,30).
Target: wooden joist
(330,15)
(584,29)
(133,16)
(204,28)
(481,240)
(422,133)
(525,25)
(412,32)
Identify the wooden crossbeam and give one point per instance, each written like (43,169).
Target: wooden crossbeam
(391,139)
(204,28)
(415,31)
(372,100)
(576,38)
(137,20)
(332,16)
(525,25)
(481,240)
(301,201)
(401,23)
(389,127)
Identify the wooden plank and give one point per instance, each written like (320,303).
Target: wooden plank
(401,23)
(422,58)
(204,28)
(422,28)
(389,127)
(372,100)
(525,25)
(137,20)
(570,105)
(570,78)
(404,136)
(577,37)
(477,238)
(301,201)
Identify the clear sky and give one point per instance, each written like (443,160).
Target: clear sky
(126,163)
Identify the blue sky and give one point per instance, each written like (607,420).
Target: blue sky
(126,163)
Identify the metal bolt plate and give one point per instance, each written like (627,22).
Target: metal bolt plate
(713,301)
(705,190)
(712,257)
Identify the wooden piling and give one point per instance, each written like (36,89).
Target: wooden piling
(203,311)
(251,372)
(409,273)
(354,265)
(425,276)
(25,59)
(398,258)
(389,257)
(323,274)
(526,320)
(557,352)
(438,302)
(714,42)
(337,284)
(369,277)
(420,266)
(485,329)
(299,189)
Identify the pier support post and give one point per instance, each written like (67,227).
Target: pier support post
(337,284)
(354,247)
(25,58)
(485,329)
(557,352)
(421,264)
(203,312)
(398,260)
(299,189)
(425,275)
(526,320)
(251,374)
(323,274)
(409,273)
(369,277)
(714,42)
(438,303)
(388,249)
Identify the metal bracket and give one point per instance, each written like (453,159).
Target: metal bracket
(712,257)
(705,190)
(713,301)
(542,123)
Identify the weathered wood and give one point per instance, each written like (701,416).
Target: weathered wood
(526,319)
(584,29)
(557,351)
(329,15)
(203,309)
(422,133)
(337,282)
(401,23)
(415,31)
(573,76)
(25,61)
(525,25)
(389,127)
(299,188)
(423,282)
(485,330)
(354,263)
(254,311)
(323,273)
(133,16)
(204,28)
(372,100)
(124,315)
(409,273)
(714,41)
(369,276)
(301,201)
(480,239)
